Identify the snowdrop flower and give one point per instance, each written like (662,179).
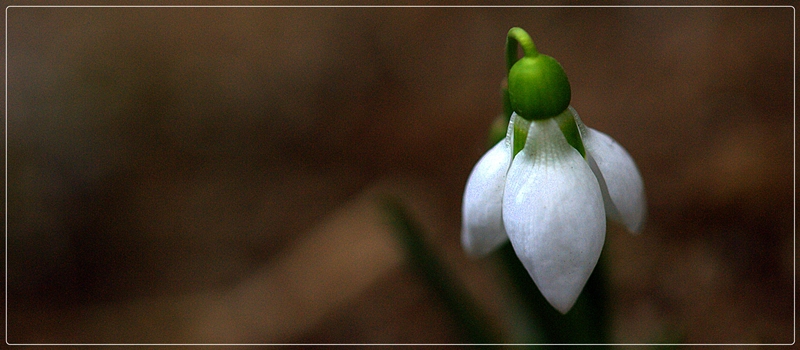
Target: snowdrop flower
(549,186)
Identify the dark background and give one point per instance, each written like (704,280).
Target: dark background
(163,159)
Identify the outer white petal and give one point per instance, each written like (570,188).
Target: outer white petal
(482,224)
(553,213)
(620,180)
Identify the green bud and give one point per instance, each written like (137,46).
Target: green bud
(537,85)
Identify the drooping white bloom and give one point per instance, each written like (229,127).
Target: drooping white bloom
(552,203)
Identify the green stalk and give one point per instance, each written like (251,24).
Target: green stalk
(587,321)
(518,37)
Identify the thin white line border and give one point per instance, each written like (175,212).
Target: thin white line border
(794,167)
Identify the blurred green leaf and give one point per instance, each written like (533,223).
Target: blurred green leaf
(474,325)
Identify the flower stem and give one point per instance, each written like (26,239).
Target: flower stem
(518,36)
(586,323)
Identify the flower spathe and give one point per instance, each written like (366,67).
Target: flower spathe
(551,202)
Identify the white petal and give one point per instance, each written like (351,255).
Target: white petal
(620,181)
(482,223)
(553,213)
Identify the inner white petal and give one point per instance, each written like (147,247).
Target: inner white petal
(553,213)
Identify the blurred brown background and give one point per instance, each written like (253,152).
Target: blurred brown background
(196,175)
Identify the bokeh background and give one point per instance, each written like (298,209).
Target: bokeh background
(214,175)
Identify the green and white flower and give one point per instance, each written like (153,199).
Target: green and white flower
(549,186)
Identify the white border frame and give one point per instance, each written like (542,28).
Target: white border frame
(794,161)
